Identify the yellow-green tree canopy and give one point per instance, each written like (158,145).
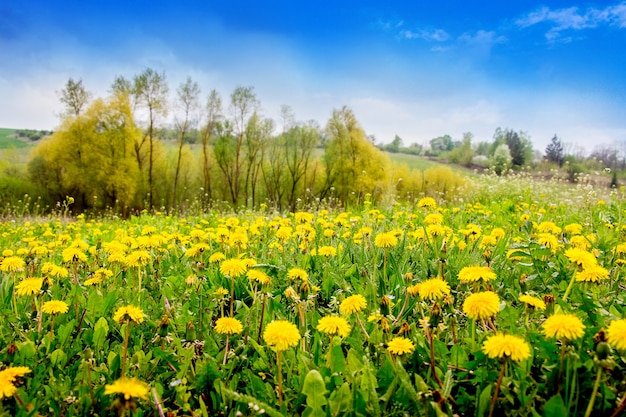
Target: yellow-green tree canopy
(91,156)
(354,166)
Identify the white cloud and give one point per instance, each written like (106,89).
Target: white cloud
(436,35)
(482,38)
(572,19)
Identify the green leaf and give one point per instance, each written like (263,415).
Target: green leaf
(58,357)
(26,349)
(555,407)
(337,361)
(314,389)
(340,400)
(100,333)
(485,400)
(65,331)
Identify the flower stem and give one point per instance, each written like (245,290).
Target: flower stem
(497,391)
(569,287)
(279,364)
(226,350)
(358,319)
(125,354)
(596,385)
(433,369)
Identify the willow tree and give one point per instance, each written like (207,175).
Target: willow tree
(92,154)
(354,166)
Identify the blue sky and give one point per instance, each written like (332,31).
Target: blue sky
(418,69)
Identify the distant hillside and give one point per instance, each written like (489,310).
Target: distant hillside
(20,138)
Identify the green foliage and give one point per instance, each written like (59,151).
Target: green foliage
(354,167)
(194,369)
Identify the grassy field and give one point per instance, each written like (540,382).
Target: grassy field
(8,139)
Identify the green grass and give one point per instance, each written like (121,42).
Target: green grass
(420,163)
(8,139)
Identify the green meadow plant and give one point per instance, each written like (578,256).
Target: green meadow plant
(506,301)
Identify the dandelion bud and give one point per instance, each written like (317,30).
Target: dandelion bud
(408,276)
(164,324)
(405,329)
(384,325)
(191,331)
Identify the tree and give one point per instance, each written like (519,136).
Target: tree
(151,91)
(188,101)
(554,151)
(520,146)
(354,166)
(229,147)
(441,144)
(501,159)
(213,116)
(75,97)
(91,154)
(464,153)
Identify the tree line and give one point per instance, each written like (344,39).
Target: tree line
(111,152)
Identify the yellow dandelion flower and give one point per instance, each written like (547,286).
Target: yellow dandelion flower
(197,249)
(435,230)
(217,257)
(580,242)
(592,274)
(284,232)
(573,229)
(221,292)
(617,334)
(228,325)
(12,264)
(281,335)
(103,273)
(549,241)
(499,346)
(580,257)
(73,254)
(8,379)
(128,387)
(534,302)
(334,325)
(327,251)
(433,289)
(413,289)
(427,202)
(29,286)
(386,240)
(352,305)
(129,312)
(137,258)
(481,305)
(258,276)
(433,218)
(233,267)
(298,273)
(563,326)
(400,346)
(54,307)
(93,281)
(475,273)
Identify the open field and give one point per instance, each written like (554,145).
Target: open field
(508,302)
(8,140)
